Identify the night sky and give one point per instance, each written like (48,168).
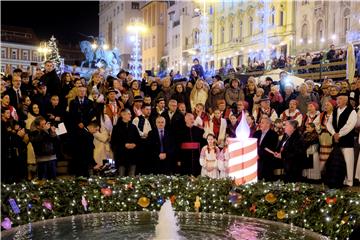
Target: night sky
(66,20)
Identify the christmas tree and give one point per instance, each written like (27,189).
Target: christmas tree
(53,54)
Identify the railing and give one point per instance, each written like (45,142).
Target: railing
(334,70)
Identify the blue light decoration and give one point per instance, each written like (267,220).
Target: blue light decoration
(135,63)
(264,25)
(204,38)
(14,206)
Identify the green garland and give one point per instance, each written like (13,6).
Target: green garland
(332,213)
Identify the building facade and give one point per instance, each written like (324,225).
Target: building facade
(245,31)
(19,49)
(321,23)
(114,17)
(153,43)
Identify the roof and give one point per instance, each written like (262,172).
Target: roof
(20,35)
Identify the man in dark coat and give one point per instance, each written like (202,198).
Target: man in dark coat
(125,140)
(80,114)
(190,140)
(292,152)
(85,160)
(174,119)
(163,148)
(51,79)
(15,92)
(267,139)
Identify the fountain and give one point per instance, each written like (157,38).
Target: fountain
(167,227)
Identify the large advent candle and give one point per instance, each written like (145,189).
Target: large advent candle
(243,155)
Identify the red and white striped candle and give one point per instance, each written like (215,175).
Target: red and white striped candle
(243,155)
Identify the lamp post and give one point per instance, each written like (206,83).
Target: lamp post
(136,28)
(43,49)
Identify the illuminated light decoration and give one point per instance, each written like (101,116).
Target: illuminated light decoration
(243,155)
(301,40)
(135,63)
(204,37)
(333,37)
(309,41)
(322,40)
(264,25)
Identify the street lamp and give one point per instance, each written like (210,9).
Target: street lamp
(43,49)
(137,28)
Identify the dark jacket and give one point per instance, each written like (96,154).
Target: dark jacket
(266,161)
(163,166)
(122,134)
(80,113)
(176,123)
(211,102)
(43,142)
(293,153)
(52,82)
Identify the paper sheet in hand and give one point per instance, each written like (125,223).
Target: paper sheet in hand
(61,129)
(268,150)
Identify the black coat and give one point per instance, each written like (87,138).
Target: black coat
(177,121)
(84,158)
(80,113)
(52,82)
(43,142)
(122,134)
(13,100)
(266,161)
(293,154)
(163,166)
(190,158)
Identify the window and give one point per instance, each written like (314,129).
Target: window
(13,54)
(25,55)
(319,31)
(3,68)
(210,39)
(241,30)
(273,16)
(135,5)
(118,10)
(304,33)
(153,41)
(196,36)
(222,32)
(231,32)
(122,7)
(281,18)
(35,56)
(186,42)
(346,20)
(251,25)
(240,60)
(3,52)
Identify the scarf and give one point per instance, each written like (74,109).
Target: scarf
(216,126)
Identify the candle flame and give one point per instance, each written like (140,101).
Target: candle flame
(243,129)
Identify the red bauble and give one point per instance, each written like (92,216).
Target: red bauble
(107,192)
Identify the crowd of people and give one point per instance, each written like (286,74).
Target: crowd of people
(173,126)
(331,56)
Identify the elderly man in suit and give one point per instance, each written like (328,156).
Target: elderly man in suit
(267,139)
(163,147)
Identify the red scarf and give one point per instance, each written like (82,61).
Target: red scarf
(216,127)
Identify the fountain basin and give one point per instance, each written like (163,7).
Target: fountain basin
(141,225)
